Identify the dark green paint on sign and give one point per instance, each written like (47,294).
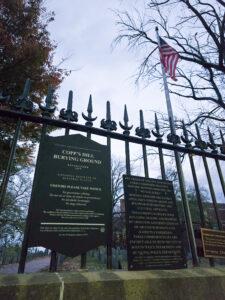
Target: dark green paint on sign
(70,203)
(152,223)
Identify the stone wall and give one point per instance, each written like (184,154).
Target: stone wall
(191,284)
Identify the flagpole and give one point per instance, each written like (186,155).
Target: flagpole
(188,219)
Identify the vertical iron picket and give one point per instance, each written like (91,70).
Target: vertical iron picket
(203,146)
(159,136)
(186,210)
(126,132)
(143,133)
(89,123)
(187,142)
(213,146)
(174,139)
(109,125)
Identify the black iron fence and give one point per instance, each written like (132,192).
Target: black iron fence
(22,110)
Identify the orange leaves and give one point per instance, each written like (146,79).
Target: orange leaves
(27,52)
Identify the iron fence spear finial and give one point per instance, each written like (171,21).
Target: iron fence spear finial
(198,132)
(156,124)
(108,111)
(48,108)
(222,137)
(90,108)
(68,114)
(211,143)
(157,133)
(199,143)
(142,131)
(125,116)
(107,123)
(141,119)
(48,99)
(172,137)
(89,117)
(23,103)
(185,137)
(70,101)
(4,99)
(184,130)
(26,88)
(125,127)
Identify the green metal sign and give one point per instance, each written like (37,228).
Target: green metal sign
(71,200)
(153,228)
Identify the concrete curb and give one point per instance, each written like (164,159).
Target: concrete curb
(189,284)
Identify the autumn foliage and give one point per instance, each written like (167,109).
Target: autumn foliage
(26,51)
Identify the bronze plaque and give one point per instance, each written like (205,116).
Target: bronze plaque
(213,242)
(153,229)
(71,200)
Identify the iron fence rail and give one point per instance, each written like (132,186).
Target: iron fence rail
(114,135)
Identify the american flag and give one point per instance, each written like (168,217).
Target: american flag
(169,58)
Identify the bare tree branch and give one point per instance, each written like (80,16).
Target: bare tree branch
(197,34)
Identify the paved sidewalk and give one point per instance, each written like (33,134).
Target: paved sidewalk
(32,266)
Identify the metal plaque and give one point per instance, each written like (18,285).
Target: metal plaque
(71,201)
(213,242)
(153,228)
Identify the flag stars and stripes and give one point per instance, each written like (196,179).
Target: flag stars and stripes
(169,58)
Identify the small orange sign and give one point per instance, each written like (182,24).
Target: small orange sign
(213,242)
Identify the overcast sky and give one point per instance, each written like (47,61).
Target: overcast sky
(84,31)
